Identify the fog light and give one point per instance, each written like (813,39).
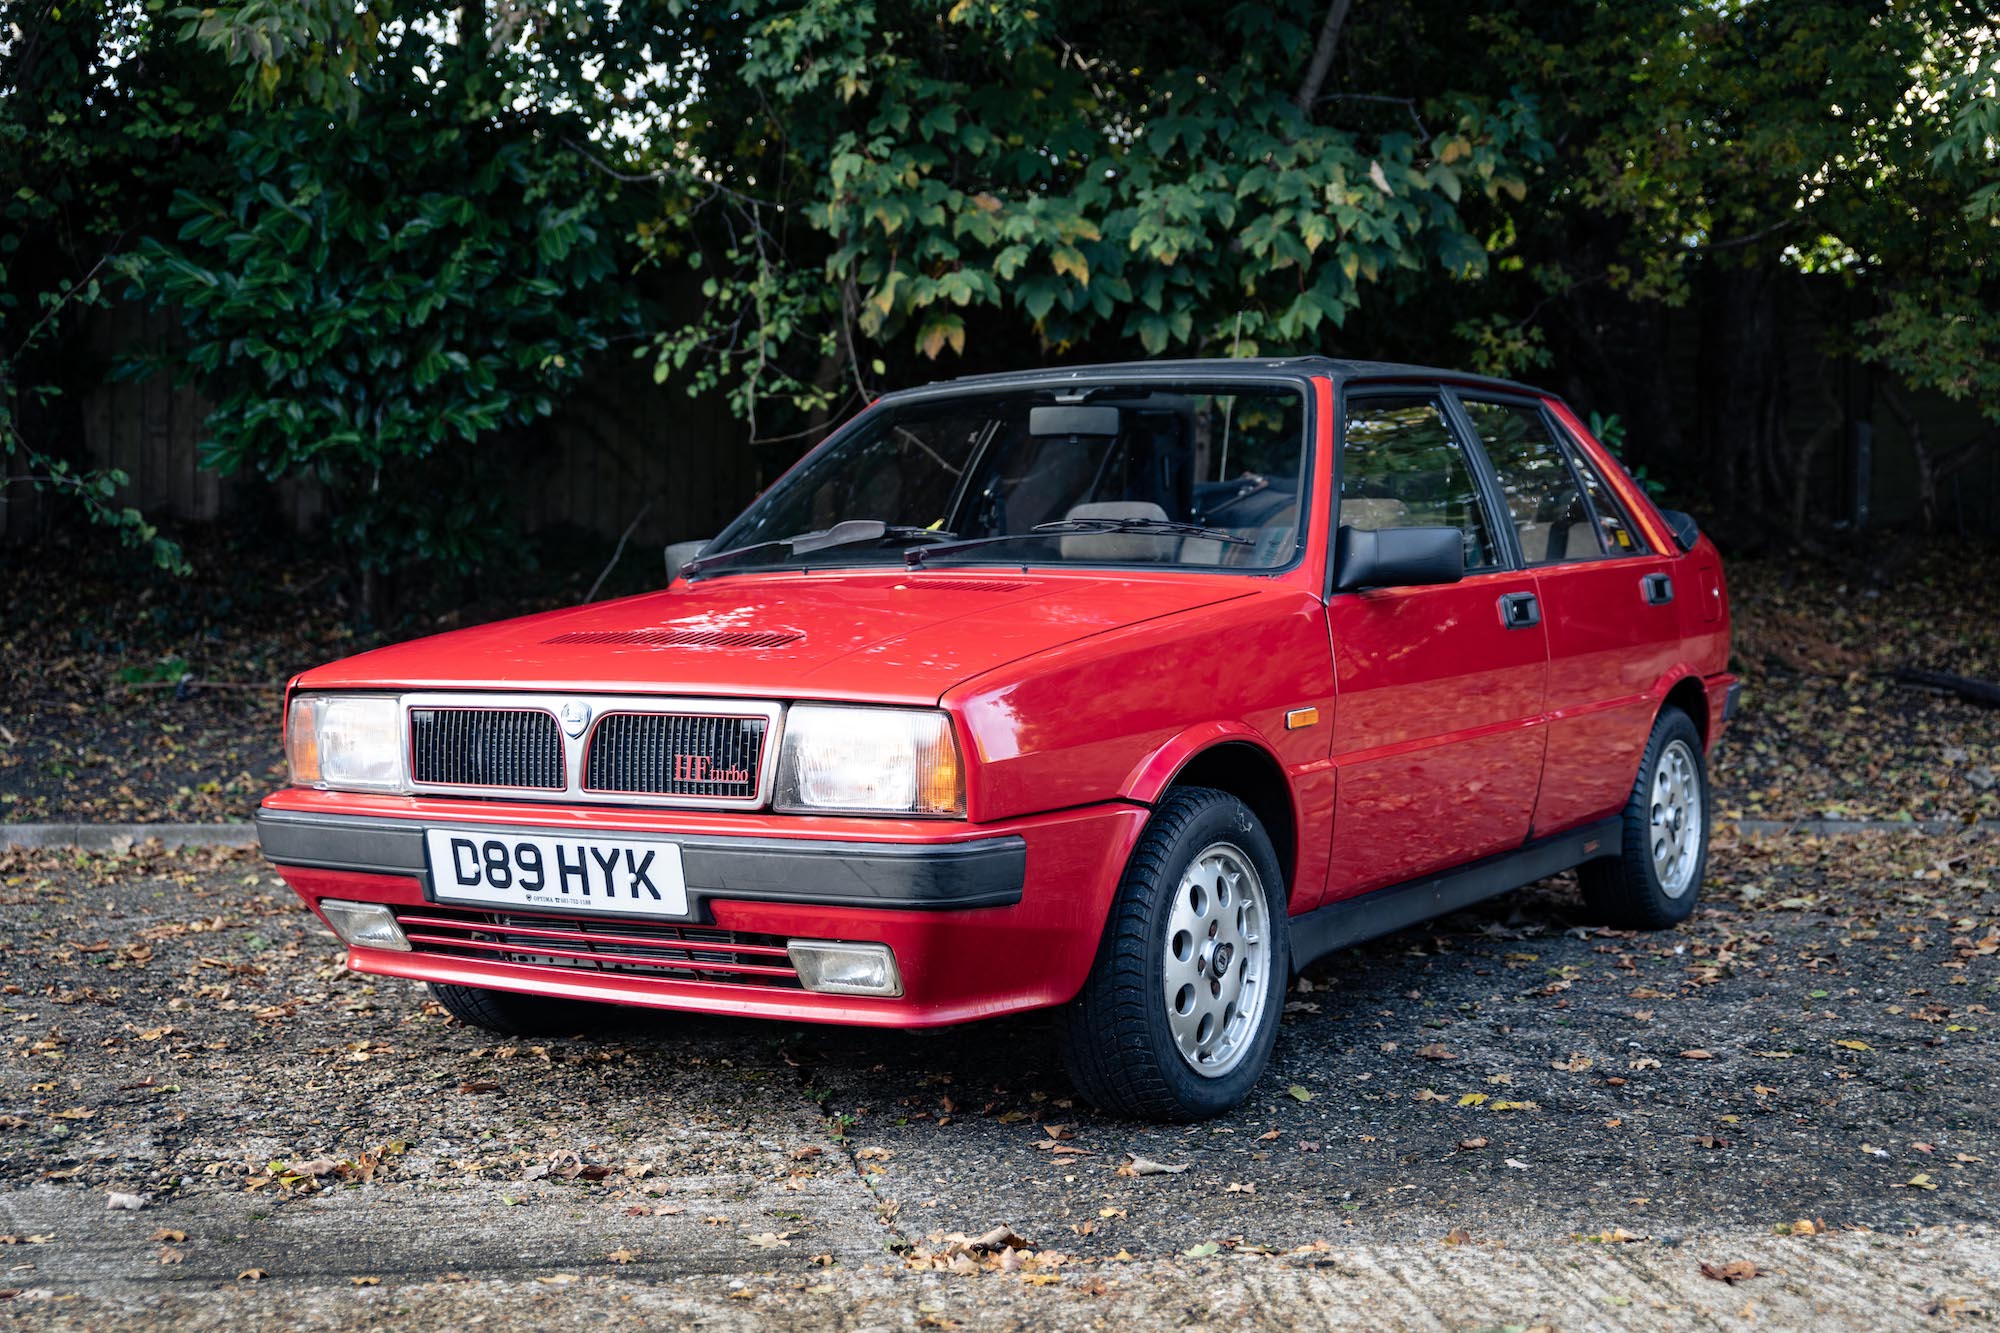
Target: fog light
(845,969)
(364,925)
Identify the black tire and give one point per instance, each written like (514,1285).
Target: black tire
(1117,1041)
(1626,890)
(513,1014)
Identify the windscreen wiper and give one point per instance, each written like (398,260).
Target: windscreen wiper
(850,532)
(1067,526)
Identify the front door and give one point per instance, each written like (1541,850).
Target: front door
(1437,736)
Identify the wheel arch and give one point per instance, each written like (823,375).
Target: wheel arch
(1237,762)
(1689,695)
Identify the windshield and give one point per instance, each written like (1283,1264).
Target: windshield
(1115,459)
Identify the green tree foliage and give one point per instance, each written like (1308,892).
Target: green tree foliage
(392,270)
(915,178)
(395,236)
(90,134)
(1716,154)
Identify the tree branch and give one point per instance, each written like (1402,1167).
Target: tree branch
(1322,61)
(612,563)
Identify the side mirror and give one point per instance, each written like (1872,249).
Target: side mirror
(1686,531)
(680,553)
(1396,557)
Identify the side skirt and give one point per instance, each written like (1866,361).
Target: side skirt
(1385,911)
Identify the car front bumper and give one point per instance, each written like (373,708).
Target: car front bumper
(982,920)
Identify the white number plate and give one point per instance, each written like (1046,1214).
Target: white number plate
(573,875)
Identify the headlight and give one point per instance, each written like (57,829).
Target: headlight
(345,743)
(877,761)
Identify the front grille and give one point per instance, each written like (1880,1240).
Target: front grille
(486,747)
(633,948)
(674,754)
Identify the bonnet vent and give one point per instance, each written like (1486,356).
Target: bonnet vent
(963,585)
(682,638)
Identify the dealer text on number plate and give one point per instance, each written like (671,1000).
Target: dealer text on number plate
(567,874)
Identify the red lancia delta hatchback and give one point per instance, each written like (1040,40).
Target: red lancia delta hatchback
(1126,690)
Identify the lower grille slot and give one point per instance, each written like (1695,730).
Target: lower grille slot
(633,948)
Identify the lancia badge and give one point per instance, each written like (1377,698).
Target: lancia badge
(575,717)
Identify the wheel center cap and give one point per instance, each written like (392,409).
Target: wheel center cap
(1219,964)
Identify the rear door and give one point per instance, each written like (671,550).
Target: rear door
(1437,726)
(1607,603)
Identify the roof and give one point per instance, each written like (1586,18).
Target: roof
(1229,368)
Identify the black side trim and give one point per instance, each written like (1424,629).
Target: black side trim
(1385,911)
(989,872)
(1732,700)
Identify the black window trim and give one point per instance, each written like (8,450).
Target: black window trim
(1560,438)
(1572,448)
(1456,424)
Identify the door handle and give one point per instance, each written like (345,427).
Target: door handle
(1519,610)
(1658,589)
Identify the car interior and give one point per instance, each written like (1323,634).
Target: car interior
(1229,462)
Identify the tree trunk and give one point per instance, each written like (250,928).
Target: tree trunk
(1740,397)
(1322,60)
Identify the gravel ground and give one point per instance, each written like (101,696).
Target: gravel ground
(1463,1125)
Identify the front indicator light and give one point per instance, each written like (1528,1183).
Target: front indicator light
(364,925)
(833,968)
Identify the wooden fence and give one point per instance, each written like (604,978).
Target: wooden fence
(624,447)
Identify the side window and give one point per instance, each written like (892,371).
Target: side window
(1400,467)
(1621,537)
(1541,493)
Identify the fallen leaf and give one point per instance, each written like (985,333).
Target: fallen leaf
(622,1256)
(1738,1270)
(1298,1093)
(132,1202)
(1851,1045)
(1696,1055)
(1469,1144)
(1517,1164)
(1139,1166)
(480,1085)
(1458,1236)
(999,1238)
(252,1275)
(366,1281)
(165,1233)
(1436,1051)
